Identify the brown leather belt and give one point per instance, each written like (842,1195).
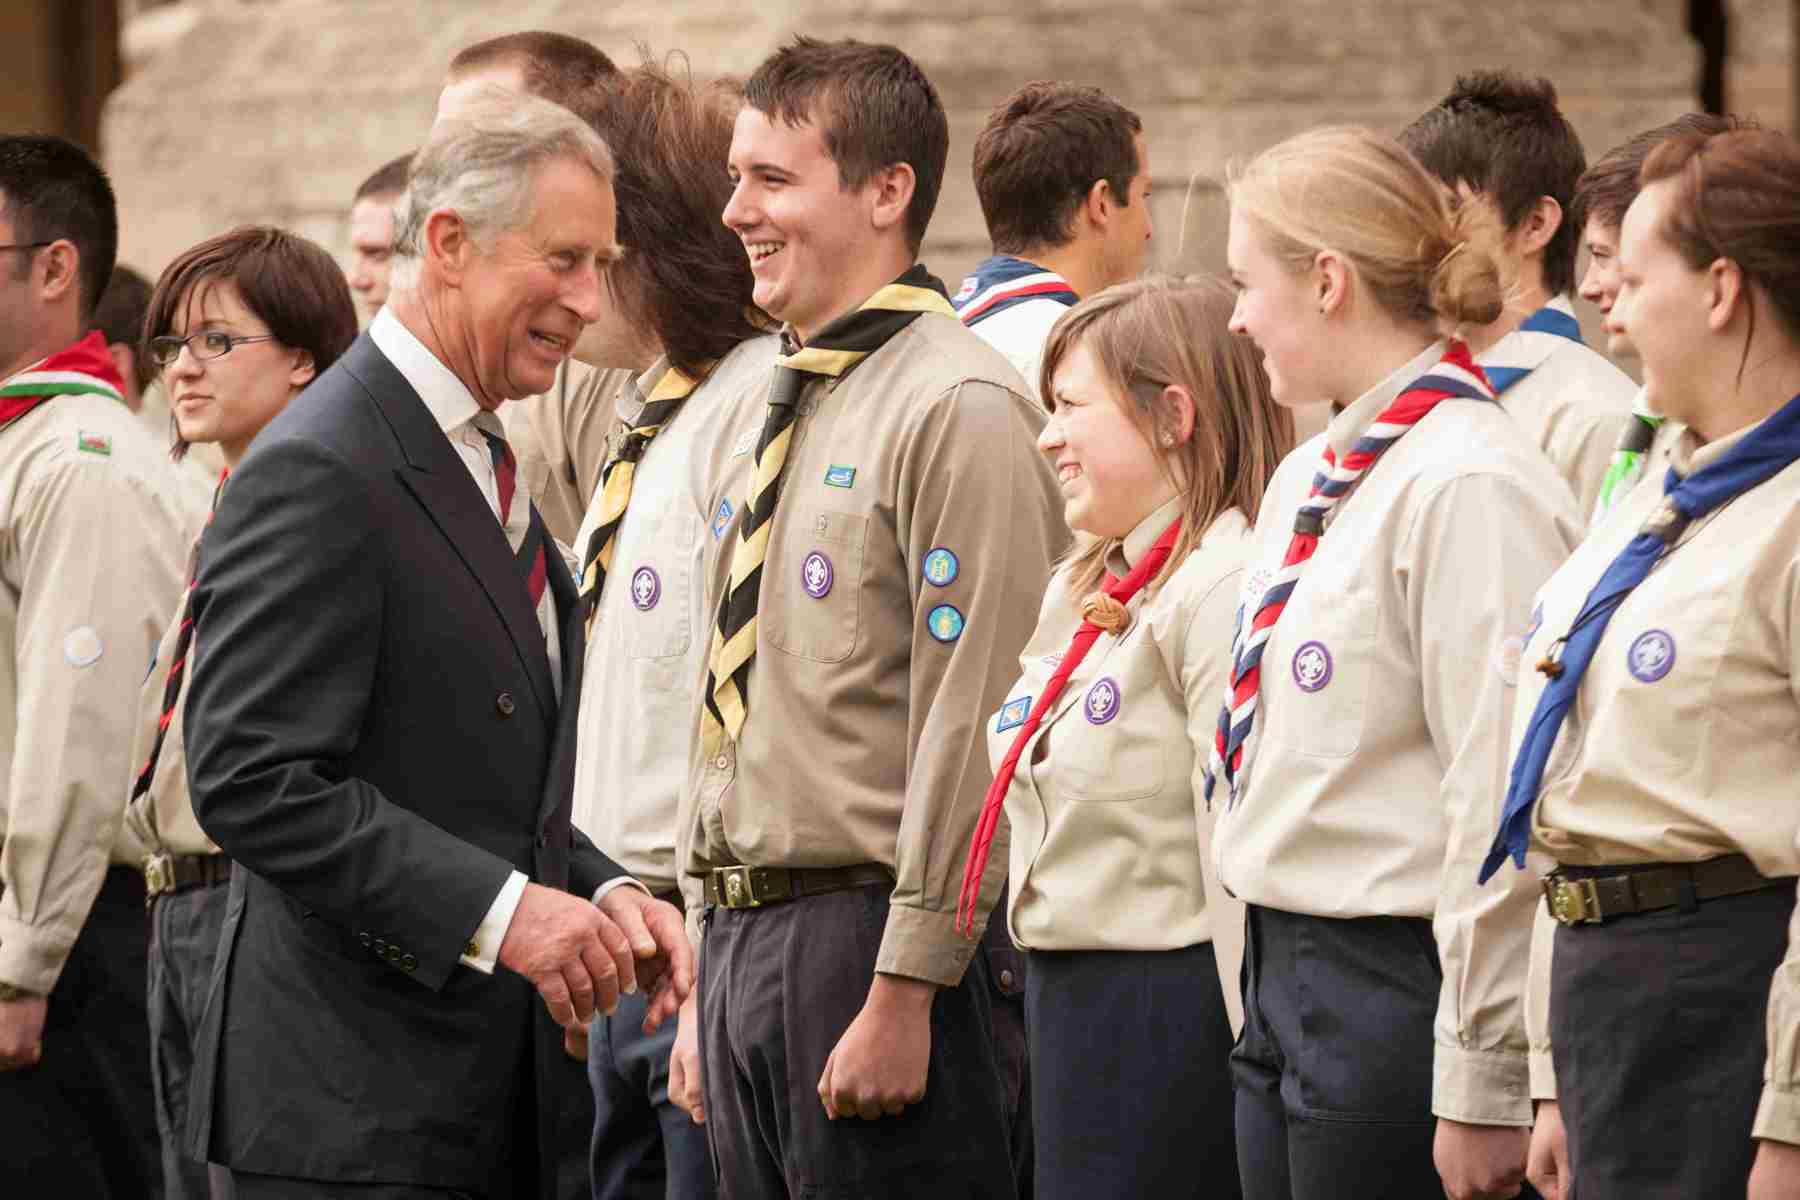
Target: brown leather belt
(1592,895)
(753,887)
(168,873)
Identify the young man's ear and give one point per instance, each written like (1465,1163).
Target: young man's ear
(1538,227)
(893,192)
(60,263)
(1097,208)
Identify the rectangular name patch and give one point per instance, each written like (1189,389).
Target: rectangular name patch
(836,476)
(1013,714)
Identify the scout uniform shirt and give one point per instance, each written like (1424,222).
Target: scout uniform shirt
(1109,836)
(1384,709)
(1573,405)
(910,546)
(162,819)
(90,568)
(559,442)
(1681,743)
(646,649)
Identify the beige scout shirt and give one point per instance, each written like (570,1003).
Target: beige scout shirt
(1110,841)
(91,545)
(559,441)
(1681,744)
(1384,712)
(646,651)
(162,819)
(867,706)
(1573,405)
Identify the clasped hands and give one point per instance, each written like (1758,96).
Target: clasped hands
(582,956)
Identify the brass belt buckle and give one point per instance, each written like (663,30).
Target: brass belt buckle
(736,889)
(159,874)
(1573,901)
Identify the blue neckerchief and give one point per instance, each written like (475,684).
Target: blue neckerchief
(1763,452)
(1520,353)
(1001,282)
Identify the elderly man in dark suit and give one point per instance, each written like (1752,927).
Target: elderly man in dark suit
(381,727)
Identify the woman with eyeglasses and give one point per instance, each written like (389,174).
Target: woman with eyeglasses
(237,326)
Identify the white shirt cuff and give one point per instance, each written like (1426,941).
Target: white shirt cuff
(621,881)
(483,949)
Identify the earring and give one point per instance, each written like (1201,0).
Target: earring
(1168,439)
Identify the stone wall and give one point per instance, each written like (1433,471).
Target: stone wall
(274,111)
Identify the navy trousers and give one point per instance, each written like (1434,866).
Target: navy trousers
(644,1147)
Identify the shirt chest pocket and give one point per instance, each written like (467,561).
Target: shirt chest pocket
(812,579)
(1316,680)
(655,614)
(1108,746)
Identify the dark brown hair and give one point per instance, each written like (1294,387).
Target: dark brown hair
(874,108)
(684,275)
(1503,135)
(120,318)
(1607,188)
(1736,196)
(290,283)
(555,66)
(389,179)
(52,189)
(1041,152)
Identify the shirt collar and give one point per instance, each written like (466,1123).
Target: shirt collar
(632,399)
(451,402)
(1687,455)
(1354,421)
(1137,543)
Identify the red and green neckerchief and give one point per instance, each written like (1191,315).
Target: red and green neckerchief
(83,367)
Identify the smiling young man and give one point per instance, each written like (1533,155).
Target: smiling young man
(882,528)
(1499,139)
(1063,175)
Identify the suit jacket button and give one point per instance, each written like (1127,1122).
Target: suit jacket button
(504,702)
(1006,979)
(408,962)
(393,953)
(364,938)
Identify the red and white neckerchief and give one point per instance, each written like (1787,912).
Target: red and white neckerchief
(988,824)
(1454,375)
(83,367)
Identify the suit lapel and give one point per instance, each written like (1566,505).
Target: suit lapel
(559,783)
(442,485)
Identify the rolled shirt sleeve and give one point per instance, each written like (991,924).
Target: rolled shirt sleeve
(973,481)
(1476,556)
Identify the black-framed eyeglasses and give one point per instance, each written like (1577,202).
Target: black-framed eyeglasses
(211,344)
(28,245)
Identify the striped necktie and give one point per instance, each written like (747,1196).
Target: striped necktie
(1455,375)
(988,824)
(527,540)
(184,640)
(834,351)
(1766,450)
(616,478)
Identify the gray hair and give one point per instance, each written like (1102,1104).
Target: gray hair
(480,164)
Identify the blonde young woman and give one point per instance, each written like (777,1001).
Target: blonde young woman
(1163,436)
(1658,738)
(1360,752)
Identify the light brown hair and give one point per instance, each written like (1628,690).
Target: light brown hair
(1358,194)
(1157,332)
(684,276)
(1041,152)
(554,66)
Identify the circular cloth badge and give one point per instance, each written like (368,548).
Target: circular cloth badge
(945,622)
(816,575)
(646,588)
(1651,656)
(1312,666)
(82,646)
(1102,703)
(941,567)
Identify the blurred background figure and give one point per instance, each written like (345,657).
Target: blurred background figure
(372,233)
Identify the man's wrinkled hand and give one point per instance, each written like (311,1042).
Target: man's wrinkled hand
(574,955)
(880,1064)
(22,1031)
(664,958)
(686,1088)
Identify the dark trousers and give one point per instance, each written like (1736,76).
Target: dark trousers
(1006,971)
(1131,1091)
(1333,1068)
(277,1187)
(184,941)
(80,1123)
(1656,1026)
(779,986)
(644,1147)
